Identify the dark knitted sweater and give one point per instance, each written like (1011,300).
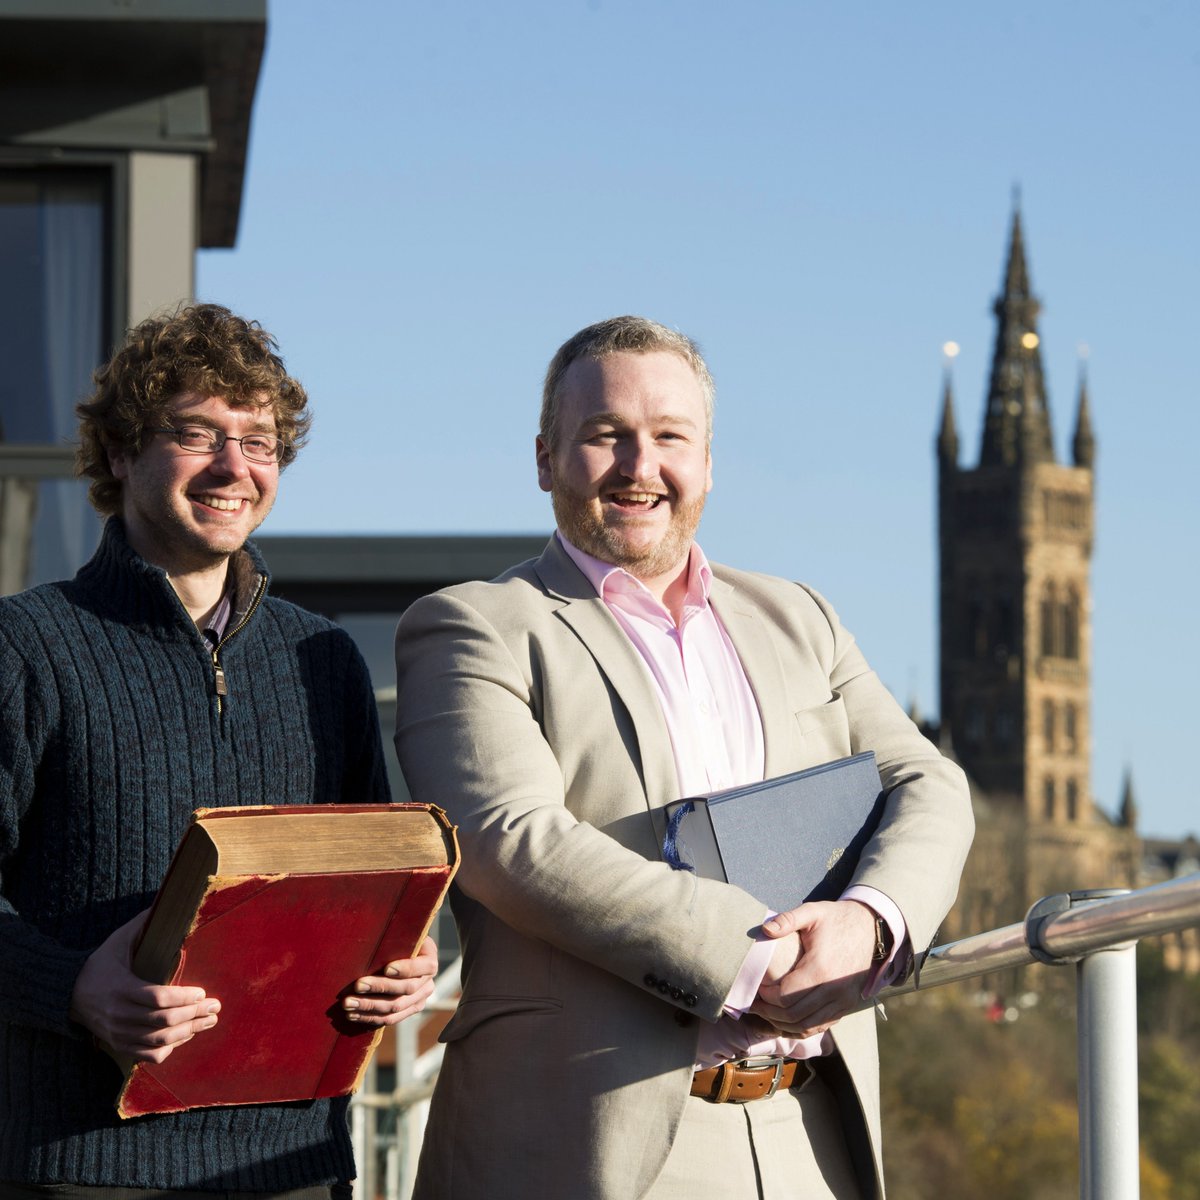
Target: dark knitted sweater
(111,733)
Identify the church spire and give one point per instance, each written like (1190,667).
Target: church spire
(1083,444)
(1016,427)
(947,442)
(1128,815)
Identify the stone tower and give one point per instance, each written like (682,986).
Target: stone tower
(1015,545)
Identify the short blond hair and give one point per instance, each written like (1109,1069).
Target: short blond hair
(630,335)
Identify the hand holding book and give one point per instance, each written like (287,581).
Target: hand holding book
(831,946)
(400,992)
(128,1016)
(306,924)
(143,1022)
(794,842)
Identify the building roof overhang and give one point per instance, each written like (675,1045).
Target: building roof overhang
(153,75)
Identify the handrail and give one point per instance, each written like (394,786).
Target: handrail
(1098,932)
(1094,930)
(1061,933)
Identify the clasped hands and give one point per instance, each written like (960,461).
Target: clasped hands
(146,1021)
(821,963)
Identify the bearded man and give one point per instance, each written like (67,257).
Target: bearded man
(612,1007)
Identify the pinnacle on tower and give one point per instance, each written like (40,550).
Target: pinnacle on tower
(1016,427)
(1129,811)
(947,442)
(1083,444)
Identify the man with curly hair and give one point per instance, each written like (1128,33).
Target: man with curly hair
(164,678)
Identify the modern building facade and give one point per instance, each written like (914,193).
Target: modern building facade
(365,583)
(123,131)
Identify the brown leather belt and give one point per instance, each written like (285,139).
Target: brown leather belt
(746,1079)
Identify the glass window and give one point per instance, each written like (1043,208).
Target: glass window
(54,329)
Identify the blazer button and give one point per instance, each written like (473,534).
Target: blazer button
(676,993)
(651,981)
(664,987)
(691,999)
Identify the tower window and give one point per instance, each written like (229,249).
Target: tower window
(977,634)
(1070,623)
(1005,728)
(1069,730)
(1048,724)
(1049,615)
(1059,621)
(1048,799)
(1005,633)
(1072,801)
(974,723)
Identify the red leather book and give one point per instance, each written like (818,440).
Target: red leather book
(276,911)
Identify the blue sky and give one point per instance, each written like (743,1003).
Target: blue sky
(820,194)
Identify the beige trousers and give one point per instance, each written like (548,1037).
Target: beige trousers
(790,1147)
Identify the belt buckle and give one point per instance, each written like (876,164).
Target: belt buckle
(763,1062)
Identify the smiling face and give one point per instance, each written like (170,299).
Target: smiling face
(189,512)
(630,469)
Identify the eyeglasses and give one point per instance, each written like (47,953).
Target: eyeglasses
(200,439)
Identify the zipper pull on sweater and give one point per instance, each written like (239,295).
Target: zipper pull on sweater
(220,686)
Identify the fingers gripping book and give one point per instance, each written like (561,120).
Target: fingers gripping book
(277,911)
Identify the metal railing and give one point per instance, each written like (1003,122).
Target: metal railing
(387,1125)
(1095,931)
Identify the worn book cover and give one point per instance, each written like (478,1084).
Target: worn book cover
(786,840)
(276,911)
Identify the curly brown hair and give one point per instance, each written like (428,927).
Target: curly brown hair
(199,348)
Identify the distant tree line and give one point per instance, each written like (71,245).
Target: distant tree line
(979,1091)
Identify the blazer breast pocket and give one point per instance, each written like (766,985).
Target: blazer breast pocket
(824,732)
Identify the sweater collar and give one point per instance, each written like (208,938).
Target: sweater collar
(131,588)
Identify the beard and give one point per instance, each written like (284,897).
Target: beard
(583,525)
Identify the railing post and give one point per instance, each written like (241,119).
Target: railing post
(1106,1040)
(1108,1075)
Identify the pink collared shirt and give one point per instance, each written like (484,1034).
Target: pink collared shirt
(716,738)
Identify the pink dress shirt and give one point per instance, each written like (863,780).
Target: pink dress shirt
(717,742)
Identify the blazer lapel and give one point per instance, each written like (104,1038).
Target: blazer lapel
(752,640)
(585,613)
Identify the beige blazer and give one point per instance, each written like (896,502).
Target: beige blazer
(525,712)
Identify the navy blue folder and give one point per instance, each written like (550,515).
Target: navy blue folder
(785,840)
